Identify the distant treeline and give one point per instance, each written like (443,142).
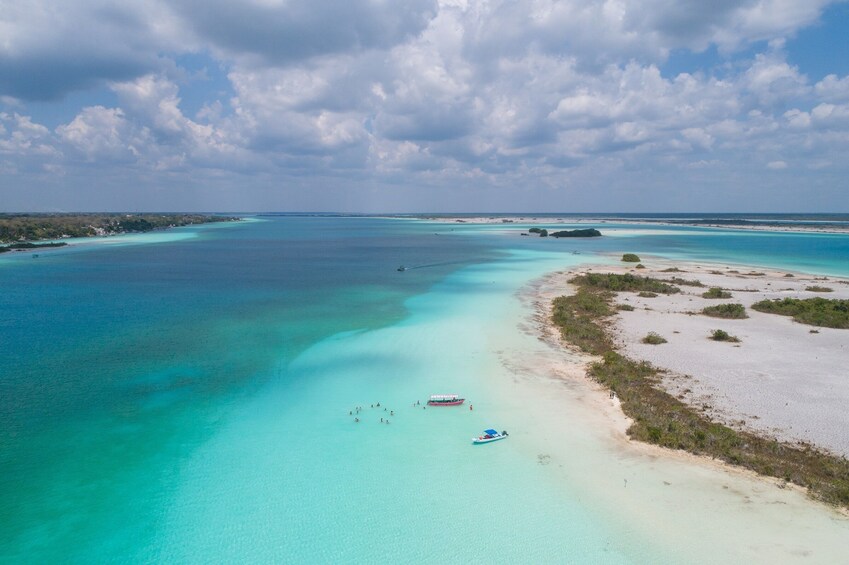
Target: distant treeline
(34,227)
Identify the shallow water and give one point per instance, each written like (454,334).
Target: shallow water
(187,399)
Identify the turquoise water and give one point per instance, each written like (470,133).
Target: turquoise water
(187,398)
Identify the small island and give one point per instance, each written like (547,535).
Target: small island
(577,233)
(566,233)
(18,228)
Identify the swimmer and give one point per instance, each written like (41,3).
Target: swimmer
(391,412)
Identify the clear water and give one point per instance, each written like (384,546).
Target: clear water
(186,398)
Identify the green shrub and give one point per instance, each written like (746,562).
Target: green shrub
(630,258)
(672,270)
(640,266)
(624,283)
(728,311)
(716,292)
(647,294)
(576,316)
(722,335)
(625,307)
(817,288)
(824,312)
(653,338)
(685,282)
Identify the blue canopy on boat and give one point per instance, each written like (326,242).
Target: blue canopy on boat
(491,432)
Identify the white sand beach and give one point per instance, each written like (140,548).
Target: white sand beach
(784,379)
(725,513)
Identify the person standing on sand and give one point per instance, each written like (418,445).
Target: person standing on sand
(471,407)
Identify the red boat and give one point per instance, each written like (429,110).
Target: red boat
(445,400)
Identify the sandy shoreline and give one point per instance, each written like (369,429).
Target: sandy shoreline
(781,381)
(699,509)
(567,220)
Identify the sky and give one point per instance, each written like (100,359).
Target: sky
(424,105)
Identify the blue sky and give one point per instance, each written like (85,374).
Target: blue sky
(425,105)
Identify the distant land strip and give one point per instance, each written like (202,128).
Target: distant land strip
(16,228)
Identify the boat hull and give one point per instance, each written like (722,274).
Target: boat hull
(457,402)
(478,440)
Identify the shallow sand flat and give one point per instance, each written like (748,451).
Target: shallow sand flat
(781,380)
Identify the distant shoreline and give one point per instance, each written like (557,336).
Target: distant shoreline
(18,228)
(772,226)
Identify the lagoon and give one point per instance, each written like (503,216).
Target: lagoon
(187,398)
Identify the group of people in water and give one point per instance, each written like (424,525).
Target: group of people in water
(357,409)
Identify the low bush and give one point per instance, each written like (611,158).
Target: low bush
(647,294)
(722,335)
(824,312)
(630,258)
(727,311)
(817,288)
(716,292)
(685,282)
(626,282)
(653,338)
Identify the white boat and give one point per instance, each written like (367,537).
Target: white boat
(489,436)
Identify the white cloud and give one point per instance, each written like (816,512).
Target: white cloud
(101,134)
(537,92)
(833,89)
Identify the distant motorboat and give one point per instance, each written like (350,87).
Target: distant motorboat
(402,268)
(445,400)
(489,436)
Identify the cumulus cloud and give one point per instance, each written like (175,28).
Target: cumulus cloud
(52,48)
(463,93)
(283,32)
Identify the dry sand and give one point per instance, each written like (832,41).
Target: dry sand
(783,380)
